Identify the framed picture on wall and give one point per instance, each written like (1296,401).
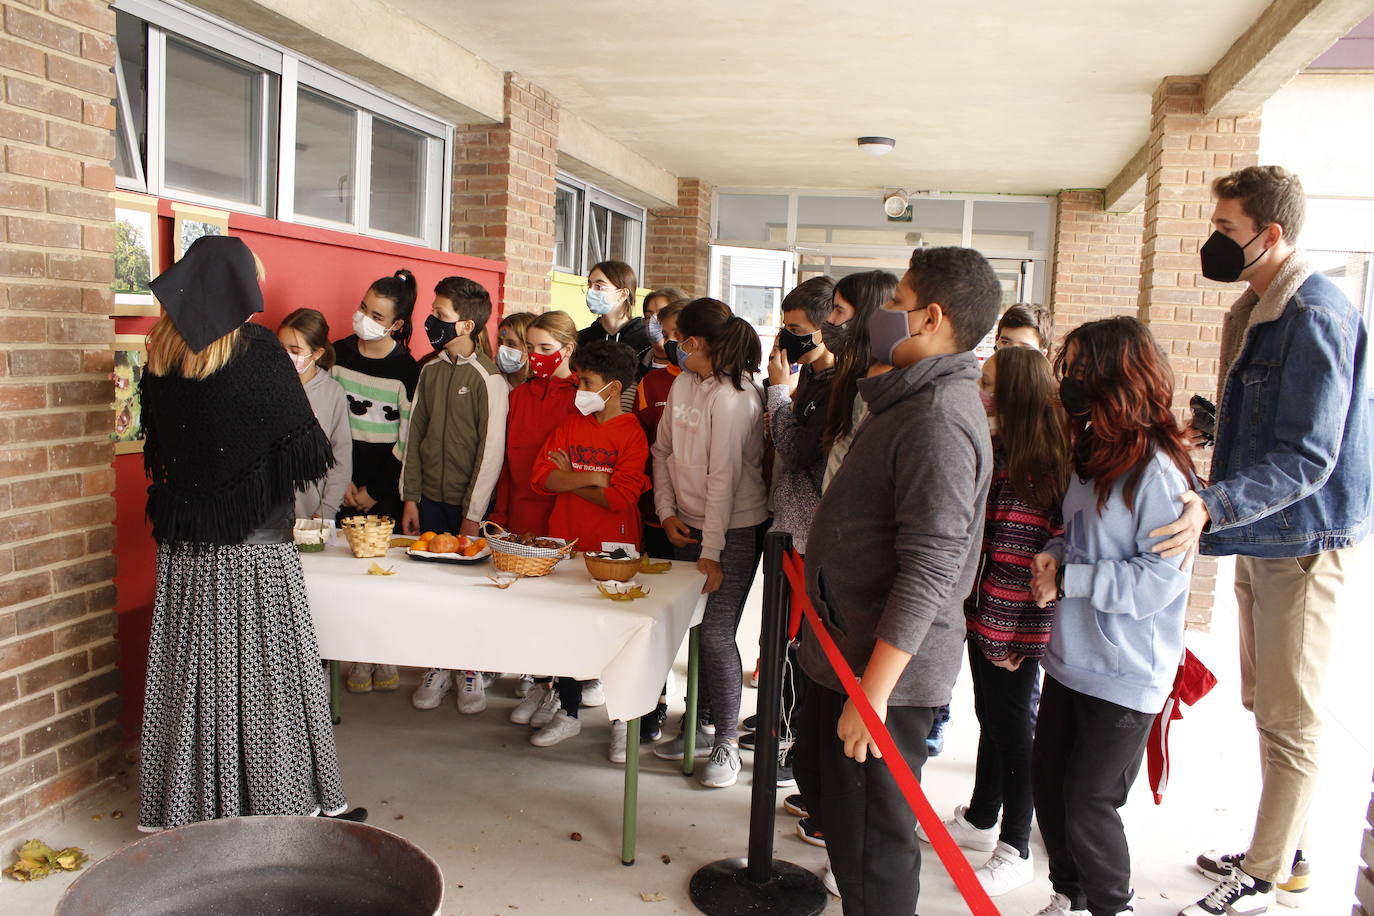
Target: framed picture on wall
(130,356)
(135,254)
(191,222)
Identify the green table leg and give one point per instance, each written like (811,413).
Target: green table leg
(335,691)
(629,823)
(689,722)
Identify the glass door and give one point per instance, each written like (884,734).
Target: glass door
(752,281)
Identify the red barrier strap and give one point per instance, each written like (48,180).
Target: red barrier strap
(979,904)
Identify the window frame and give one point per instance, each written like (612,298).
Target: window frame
(288,73)
(589,194)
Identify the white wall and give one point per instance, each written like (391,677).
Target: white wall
(1321,126)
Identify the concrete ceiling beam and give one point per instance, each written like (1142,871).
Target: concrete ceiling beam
(1126,191)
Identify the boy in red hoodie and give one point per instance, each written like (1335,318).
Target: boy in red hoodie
(593,464)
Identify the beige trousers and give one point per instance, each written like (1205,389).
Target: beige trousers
(1288,610)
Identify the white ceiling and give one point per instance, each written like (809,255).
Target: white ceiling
(981,95)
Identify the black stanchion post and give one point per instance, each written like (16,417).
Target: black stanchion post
(760,884)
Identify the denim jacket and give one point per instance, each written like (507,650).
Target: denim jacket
(1292,468)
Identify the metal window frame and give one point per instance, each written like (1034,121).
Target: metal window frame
(575,247)
(133,150)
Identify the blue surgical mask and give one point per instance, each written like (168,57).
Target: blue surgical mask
(599,303)
(510,359)
(654,329)
(680,356)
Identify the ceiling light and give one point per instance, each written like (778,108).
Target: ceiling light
(895,203)
(877,146)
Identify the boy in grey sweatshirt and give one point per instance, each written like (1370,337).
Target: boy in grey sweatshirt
(891,556)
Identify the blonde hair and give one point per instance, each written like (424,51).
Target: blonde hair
(518,322)
(169,354)
(559,326)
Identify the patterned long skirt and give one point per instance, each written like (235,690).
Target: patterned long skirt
(236,716)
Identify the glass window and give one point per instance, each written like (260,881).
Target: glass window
(131,108)
(567,222)
(214,125)
(624,238)
(326,133)
(397,195)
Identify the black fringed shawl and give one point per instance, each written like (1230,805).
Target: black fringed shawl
(226,451)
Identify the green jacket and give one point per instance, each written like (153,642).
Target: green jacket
(457,436)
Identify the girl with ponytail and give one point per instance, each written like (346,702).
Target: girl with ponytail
(709,494)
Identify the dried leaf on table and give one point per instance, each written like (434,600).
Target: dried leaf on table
(649,566)
(636,592)
(375,570)
(654,897)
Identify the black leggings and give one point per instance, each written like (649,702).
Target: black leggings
(1002,785)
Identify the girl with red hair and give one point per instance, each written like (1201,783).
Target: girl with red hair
(1118,631)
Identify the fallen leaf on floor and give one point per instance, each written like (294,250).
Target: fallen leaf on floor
(400,817)
(95,817)
(575,837)
(35,859)
(375,570)
(116,814)
(655,897)
(667,859)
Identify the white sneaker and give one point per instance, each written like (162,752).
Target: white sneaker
(1059,905)
(673,748)
(618,738)
(828,879)
(359,677)
(722,770)
(523,685)
(548,707)
(965,834)
(560,728)
(526,708)
(593,694)
(386,678)
(1236,895)
(472,695)
(434,686)
(489,678)
(1005,871)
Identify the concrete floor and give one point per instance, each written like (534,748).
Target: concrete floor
(497,813)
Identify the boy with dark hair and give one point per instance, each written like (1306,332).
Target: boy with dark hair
(1289,497)
(1025,325)
(892,554)
(594,464)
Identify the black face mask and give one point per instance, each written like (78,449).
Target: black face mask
(440,333)
(1223,258)
(670,351)
(835,336)
(796,345)
(1075,398)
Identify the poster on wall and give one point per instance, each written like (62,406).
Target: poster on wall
(135,254)
(130,356)
(191,222)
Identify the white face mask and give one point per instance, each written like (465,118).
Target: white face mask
(301,362)
(366,328)
(509,359)
(590,402)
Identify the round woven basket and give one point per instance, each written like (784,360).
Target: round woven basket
(521,559)
(603,568)
(368,535)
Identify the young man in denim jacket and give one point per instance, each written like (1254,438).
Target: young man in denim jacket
(1290,497)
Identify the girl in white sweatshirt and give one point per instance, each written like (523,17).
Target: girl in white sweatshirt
(709,493)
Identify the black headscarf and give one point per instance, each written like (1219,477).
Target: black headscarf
(211,290)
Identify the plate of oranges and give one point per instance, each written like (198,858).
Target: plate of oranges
(443,547)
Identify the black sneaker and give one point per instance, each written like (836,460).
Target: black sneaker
(651,726)
(810,833)
(1219,866)
(357,815)
(786,779)
(794,804)
(1238,895)
(746,742)
(751,723)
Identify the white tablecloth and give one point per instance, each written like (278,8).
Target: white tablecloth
(450,616)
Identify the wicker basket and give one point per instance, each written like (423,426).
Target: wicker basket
(521,559)
(604,568)
(368,535)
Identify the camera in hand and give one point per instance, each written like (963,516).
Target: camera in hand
(1204,418)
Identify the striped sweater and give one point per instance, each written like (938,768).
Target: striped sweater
(1001,616)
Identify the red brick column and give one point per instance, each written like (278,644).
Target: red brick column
(1187,151)
(58,682)
(679,240)
(503,192)
(1096,261)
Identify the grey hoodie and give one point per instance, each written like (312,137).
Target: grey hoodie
(893,549)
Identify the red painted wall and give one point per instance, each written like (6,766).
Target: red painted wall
(306,267)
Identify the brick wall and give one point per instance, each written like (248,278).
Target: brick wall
(57,653)
(1096,261)
(503,192)
(679,238)
(1187,151)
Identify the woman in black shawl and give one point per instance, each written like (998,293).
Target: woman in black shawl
(236,716)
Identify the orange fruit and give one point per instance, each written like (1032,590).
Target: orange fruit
(474,547)
(421,545)
(443,543)
(427,536)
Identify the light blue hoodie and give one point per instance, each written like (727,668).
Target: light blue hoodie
(1118,633)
